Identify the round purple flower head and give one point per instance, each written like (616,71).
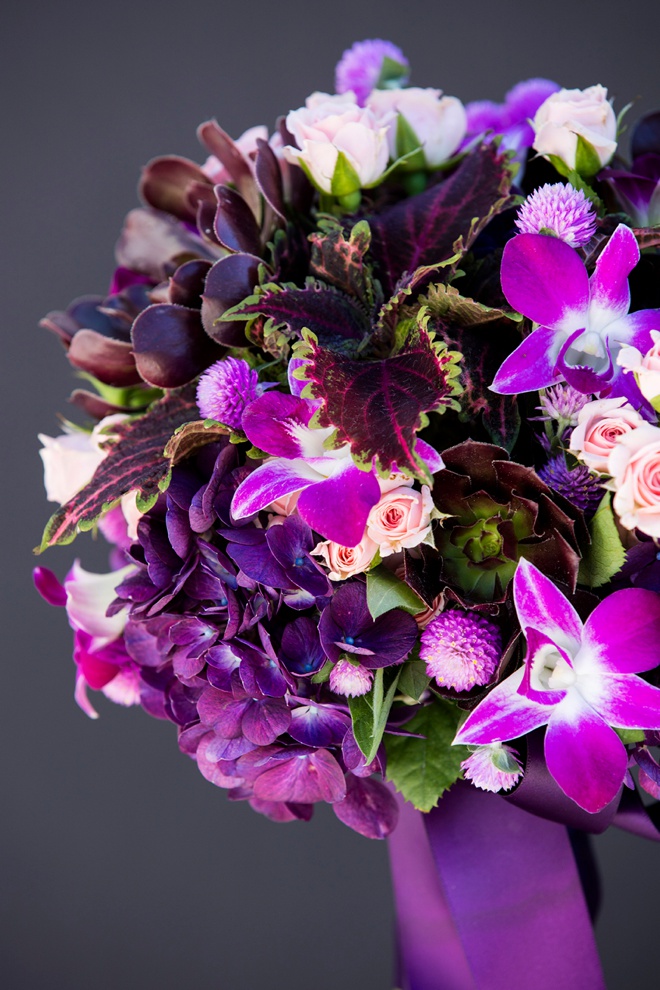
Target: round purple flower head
(225,389)
(360,67)
(461,649)
(493,768)
(560,209)
(576,484)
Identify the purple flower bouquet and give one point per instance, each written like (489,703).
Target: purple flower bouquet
(371,425)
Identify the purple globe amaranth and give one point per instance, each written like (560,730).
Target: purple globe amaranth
(226,388)
(461,649)
(583,322)
(360,68)
(493,768)
(350,679)
(560,210)
(578,679)
(577,484)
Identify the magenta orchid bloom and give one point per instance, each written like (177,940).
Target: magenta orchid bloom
(335,496)
(583,322)
(579,680)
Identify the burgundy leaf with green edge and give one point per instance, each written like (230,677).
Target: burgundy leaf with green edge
(235,226)
(339,260)
(165,185)
(426,228)
(191,437)
(332,316)
(230,280)
(136,462)
(170,345)
(377,406)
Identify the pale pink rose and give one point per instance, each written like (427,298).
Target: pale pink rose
(401,519)
(71,459)
(572,112)
(246,144)
(646,368)
(440,122)
(600,425)
(327,125)
(635,468)
(344,562)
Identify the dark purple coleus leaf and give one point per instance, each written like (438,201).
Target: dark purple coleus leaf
(377,406)
(134,463)
(346,626)
(369,808)
(443,220)
(333,316)
(170,345)
(339,260)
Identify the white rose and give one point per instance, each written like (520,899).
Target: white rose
(440,122)
(572,112)
(328,125)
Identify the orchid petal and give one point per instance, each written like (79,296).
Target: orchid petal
(429,455)
(540,604)
(532,364)
(338,507)
(584,755)
(622,634)
(634,329)
(624,700)
(544,279)
(81,698)
(503,714)
(270,481)
(278,423)
(88,598)
(536,642)
(609,290)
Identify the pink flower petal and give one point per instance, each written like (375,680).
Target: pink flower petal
(270,481)
(540,604)
(610,293)
(275,421)
(305,778)
(623,632)
(338,507)
(503,714)
(531,366)
(544,279)
(585,756)
(624,700)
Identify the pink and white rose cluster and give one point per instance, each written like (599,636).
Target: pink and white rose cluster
(439,122)
(646,368)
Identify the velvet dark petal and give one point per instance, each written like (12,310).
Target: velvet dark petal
(165,182)
(229,154)
(369,808)
(235,225)
(190,738)
(302,777)
(228,283)
(301,651)
(354,760)
(187,283)
(269,177)
(265,720)
(202,514)
(256,560)
(111,361)
(222,712)
(318,725)
(183,705)
(170,345)
(291,544)
(213,768)
(178,530)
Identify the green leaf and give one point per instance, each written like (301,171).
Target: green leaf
(606,555)
(587,162)
(629,736)
(414,680)
(385,591)
(345,179)
(392,74)
(408,145)
(422,769)
(369,714)
(323,675)
(447,302)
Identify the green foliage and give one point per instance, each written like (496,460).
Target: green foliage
(424,766)
(414,680)
(385,591)
(369,714)
(605,555)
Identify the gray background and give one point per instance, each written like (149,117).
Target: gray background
(121,867)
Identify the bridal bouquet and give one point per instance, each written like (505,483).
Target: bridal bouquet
(370,420)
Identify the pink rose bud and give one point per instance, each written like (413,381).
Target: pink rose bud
(572,113)
(440,122)
(634,464)
(599,428)
(645,368)
(344,562)
(328,125)
(402,518)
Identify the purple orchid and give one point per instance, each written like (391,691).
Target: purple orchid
(335,496)
(583,322)
(579,680)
